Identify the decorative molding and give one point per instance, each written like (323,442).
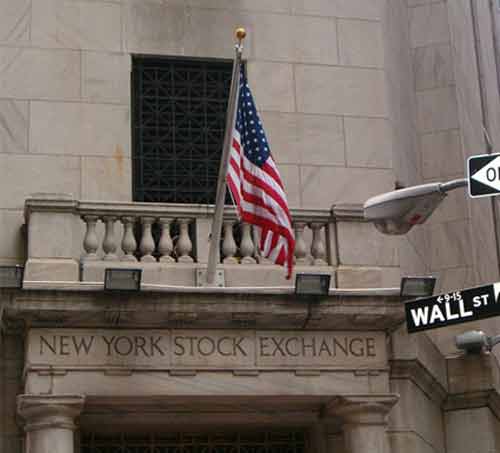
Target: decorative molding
(348,212)
(362,409)
(474,400)
(49,411)
(414,371)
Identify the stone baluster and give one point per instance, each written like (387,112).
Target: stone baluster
(129,244)
(109,243)
(184,245)
(90,241)
(300,245)
(247,247)
(318,248)
(228,243)
(165,246)
(147,246)
(50,421)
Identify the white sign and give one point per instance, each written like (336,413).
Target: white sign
(484,175)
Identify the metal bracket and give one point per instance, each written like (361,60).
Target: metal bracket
(219,280)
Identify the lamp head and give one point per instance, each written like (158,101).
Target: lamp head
(398,211)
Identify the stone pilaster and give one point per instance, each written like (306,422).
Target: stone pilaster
(364,422)
(49,421)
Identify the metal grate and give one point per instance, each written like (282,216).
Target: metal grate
(179,111)
(253,442)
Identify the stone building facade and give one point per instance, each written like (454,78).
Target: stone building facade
(355,96)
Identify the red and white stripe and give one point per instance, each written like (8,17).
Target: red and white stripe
(261,200)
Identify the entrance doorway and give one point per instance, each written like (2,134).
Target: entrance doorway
(275,441)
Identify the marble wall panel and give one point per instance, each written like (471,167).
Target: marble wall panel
(433,66)
(76,24)
(274,6)
(15,21)
(275,37)
(442,154)
(413,252)
(453,208)
(107,179)
(12,242)
(437,109)
(51,174)
(360,43)
(361,244)
(13,126)
(416,412)
(429,25)
(341,91)
(359,9)
(400,92)
(39,74)
(368,142)
(324,186)
(82,129)
(290,174)
(453,279)
(307,139)
(449,245)
(409,442)
(463,426)
(209,33)
(368,277)
(106,77)
(272,85)
(154,27)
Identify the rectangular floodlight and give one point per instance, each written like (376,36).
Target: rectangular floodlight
(417,286)
(312,284)
(11,276)
(122,279)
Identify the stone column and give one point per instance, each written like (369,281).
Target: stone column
(364,422)
(50,421)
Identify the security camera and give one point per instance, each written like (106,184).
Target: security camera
(473,341)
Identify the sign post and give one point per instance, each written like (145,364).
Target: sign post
(456,307)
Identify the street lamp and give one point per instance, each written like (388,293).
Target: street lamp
(398,211)
(475,341)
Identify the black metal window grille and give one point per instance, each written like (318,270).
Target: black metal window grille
(246,442)
(179,112)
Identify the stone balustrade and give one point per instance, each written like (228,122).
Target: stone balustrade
(71,240)
(178,233)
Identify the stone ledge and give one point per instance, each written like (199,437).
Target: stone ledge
(415,371)
(474,400)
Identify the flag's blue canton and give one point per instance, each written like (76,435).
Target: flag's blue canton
(248,124)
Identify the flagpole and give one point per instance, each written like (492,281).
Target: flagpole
(221,182)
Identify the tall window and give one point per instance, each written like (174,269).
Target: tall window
(179,110)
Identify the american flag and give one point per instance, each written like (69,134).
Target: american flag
(255,183)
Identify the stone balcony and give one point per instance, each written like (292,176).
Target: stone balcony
(72,242)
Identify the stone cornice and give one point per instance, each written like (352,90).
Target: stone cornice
(474,400)
(420,376)
(149,309)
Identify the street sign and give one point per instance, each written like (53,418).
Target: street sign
(456,307)
(484,175)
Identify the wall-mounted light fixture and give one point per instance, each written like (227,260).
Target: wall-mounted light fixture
(417,286)
(11,276)
(312,284)
(122,279)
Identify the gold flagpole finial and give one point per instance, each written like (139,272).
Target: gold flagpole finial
(240,33)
